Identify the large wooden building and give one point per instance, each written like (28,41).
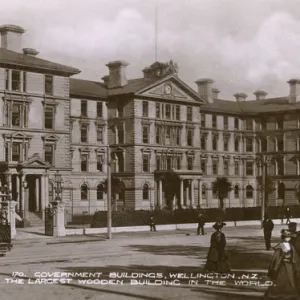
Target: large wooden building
(51,123)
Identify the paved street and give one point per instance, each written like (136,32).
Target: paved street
(140,252)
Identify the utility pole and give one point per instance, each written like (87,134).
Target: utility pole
(263,191)
(108,194)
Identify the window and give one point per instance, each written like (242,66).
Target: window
(49,154)
(225,143)
(146,160)
(16,80)
(249,168)
(120,110)
(280,166)
(236,168)
(281,190)
(214,121)
(249,124)
(237,145)
(157,108)
(249,144)
(168,111)
(177,112)
(236,192)
(203,166)
(99,163)
(204,194)
(49,117)
(225,122)
(120,162)
(16,151)
(145,135)
(264,145)
(158,163)
(249,192)
(280,144)
(145,109)
(120,134)
(84,192)
(178,163)
(214,167)
(226,167)
(100,191)
(48,84)
(16,115)
(99,109)
(263,125)
(84,162)
(203,141)
(214,142)
(83,108)
(168,136)
(24,81)
(189,115)
(177,136)
(190,137)
(7,79)
(84,133)
(203,121)
(190,162)
(99,133)
(280,123)
(145,192)
(158,135)
(236,123)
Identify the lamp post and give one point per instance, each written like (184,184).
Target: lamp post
(59,184)
(25,186)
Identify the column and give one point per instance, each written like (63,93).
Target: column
(187,196)
(37,194)
(43,194)
(18,192)
(160,193)
(192,194)
(46,179)
(199,193)
(22,198)
(181,192)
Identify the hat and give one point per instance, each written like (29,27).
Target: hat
(286,233)
(292,226)
(219,225)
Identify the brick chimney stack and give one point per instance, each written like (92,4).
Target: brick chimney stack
(205,89)
(240,97)
(294,90)
(260,95)
(11,37)
(117,73)
(215,93)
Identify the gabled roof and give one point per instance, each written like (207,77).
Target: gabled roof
(87,88)
(11,58)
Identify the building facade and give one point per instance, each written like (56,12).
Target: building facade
(143,128)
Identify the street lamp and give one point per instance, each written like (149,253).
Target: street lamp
(110,161)
(59,184)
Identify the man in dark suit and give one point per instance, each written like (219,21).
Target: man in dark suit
(151,223)
(287,215)
(201,224)
(295,240)
(268,227)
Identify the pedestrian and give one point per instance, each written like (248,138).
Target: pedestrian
(217,257)
(287,215)
(284,270)
(295,239)
(201,224)
(151,223)
(268,226)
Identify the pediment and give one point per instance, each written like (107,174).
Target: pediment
(35,162)
(18,135)
(171,88)
(51,137)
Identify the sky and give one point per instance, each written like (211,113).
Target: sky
(243,45)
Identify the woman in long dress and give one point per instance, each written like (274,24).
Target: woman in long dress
(217,257)
(284,270)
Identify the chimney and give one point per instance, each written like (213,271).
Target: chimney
(240,97)
(205,89)
(30,51)
(105,79)
(294,90)
(117,73)
(260,95)
(215,93)
(11,37)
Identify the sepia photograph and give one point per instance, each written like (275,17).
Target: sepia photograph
(150,149)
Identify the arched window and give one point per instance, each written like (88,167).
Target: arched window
(249,192)
(281,190)
(236,192)
(84,192)
(100,191)
(145,192)
(204,194)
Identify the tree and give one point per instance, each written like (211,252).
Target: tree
(117,186)
(171,184)
(268,189)
(221,186)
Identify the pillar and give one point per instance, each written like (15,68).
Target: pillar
(37,194)
(22,198)
(160,193)
(59,220)
(199,193)
(187,196)
(18,192)
(181,192)
(10,208)
(192,194)
(46,179)
(43,193)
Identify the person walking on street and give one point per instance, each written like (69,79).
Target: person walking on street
(201,224)
(151,223)
(288,215)
(268,226)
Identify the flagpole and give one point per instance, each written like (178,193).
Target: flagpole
(155,38)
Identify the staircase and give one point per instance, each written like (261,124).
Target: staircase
(34,219)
